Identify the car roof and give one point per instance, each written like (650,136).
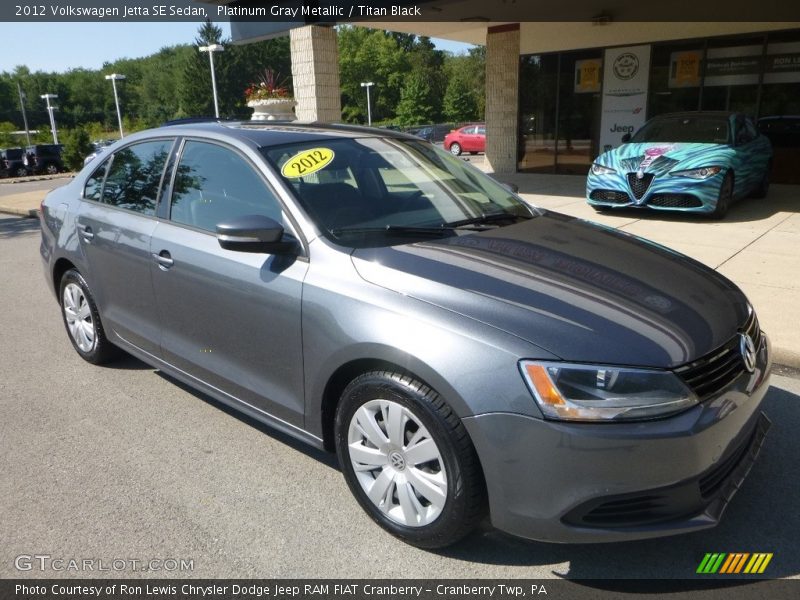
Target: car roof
(280,133)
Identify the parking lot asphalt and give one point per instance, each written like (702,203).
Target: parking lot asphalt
(122,462)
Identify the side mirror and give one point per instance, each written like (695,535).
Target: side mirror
(254,233)
(511,187)
(626,138)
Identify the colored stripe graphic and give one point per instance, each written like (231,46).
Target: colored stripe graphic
(758,563)
(733,563)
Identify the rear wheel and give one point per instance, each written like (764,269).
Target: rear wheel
(82,320)
(725,197)
(455,149)
(408,460)
(51,169)
(21,172)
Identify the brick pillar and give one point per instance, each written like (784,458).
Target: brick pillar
(502,97)
(315,74)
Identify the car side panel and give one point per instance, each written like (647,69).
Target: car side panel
(232,319)
(472,365)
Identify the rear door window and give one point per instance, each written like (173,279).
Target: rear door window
(134,177)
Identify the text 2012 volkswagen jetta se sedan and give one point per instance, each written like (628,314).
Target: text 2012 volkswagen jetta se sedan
(462,352)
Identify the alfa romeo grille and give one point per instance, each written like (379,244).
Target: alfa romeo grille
(639,186)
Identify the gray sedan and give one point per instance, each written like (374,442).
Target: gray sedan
(463,353)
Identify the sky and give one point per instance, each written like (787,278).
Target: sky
(64,46)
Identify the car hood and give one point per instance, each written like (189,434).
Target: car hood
(661,158)
(578,290)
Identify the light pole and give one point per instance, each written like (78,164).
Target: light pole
(211,48)
(50,109)
(114,77)
(368,85)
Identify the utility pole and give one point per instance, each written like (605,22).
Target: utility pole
(50,109)
(115,77)
(24,116)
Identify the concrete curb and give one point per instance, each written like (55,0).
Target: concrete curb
(12,180)
(31,213)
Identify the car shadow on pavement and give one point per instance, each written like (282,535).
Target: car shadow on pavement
(762,517)
(326,458)
(11,226)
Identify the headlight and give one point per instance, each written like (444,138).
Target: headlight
(571,392)
(601,170)
(702,173)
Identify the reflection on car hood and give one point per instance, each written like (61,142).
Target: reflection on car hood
(579,290)
(662,157)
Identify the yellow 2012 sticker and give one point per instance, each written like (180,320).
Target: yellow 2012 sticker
(307,162)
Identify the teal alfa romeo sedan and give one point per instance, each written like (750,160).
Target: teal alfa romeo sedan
(697,162)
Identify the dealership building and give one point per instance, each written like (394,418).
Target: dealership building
(560,92)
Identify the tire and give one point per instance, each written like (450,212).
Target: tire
(426,479)
(21,172)
(82,320)
(725,197)
(762,189)
(51,169)
(455,149)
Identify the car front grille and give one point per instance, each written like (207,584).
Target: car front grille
(718,369)
(610,196)
(639,185)
(675,201)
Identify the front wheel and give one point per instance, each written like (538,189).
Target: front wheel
(21,172)
(82,320)
(725,197)
(455,149)
(408,460)
(51,169)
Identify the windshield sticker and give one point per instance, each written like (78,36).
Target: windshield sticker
(307,162)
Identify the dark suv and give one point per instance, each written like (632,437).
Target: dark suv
(433,133)
(12,162)
(44,158)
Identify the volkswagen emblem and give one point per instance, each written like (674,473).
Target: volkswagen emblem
(397,460)
(748,351)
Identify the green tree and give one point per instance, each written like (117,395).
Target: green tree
(415,105)
(370,55)
(77,145)
(459,102)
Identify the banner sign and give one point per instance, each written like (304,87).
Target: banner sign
(684,68)
(625,79)
(587,75)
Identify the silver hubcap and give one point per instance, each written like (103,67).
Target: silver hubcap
(455,149)
(397,463)
(79,317)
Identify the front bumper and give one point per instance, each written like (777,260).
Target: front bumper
(585,482)
(664,192)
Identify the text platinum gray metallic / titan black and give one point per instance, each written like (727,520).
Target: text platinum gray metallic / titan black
(464,353)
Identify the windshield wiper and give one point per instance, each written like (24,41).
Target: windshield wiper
(397,229)
(487,219)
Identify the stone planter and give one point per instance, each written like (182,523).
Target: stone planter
(273,109)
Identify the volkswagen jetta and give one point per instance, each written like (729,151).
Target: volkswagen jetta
(462,352)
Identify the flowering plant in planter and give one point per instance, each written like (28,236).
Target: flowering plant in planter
(268,87)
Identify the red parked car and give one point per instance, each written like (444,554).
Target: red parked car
(470,138)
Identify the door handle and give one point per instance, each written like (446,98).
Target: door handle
(164,260)
(86,232)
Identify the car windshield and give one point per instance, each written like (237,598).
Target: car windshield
(702,129)
(381,191)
